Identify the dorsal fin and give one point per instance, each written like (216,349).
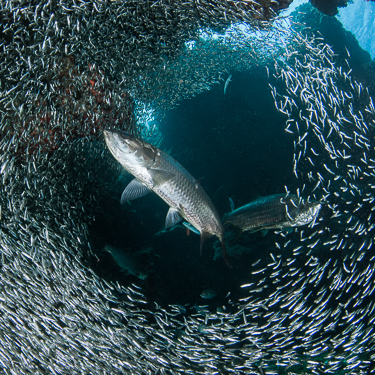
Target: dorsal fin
(231,203)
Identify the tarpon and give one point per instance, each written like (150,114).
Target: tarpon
(273,212)
(154,170)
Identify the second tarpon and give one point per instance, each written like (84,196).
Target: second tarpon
(272,212)
(154,170)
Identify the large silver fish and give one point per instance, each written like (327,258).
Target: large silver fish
(155,170)
(273,212)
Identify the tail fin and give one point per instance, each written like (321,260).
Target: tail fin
(204,236)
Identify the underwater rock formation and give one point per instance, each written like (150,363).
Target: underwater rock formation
(329,7)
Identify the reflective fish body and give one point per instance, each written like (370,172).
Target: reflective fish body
(273,212)
(154,170)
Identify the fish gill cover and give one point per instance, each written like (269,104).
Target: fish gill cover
(297,112)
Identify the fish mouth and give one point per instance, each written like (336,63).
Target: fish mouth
(117,141)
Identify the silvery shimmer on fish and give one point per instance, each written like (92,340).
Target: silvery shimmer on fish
(155,170)
(273,212)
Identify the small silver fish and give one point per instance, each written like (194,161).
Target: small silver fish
(229,79)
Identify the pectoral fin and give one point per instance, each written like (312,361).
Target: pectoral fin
(173,217)
(134,190)
(237,231)
(264,232)
(160,177)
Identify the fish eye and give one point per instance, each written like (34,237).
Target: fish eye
(124,134)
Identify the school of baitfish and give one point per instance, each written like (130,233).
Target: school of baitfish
(56,315)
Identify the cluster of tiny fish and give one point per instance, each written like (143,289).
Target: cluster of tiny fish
(207,60)
(332,117)
(39,114)
(308,305)
(57,58)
